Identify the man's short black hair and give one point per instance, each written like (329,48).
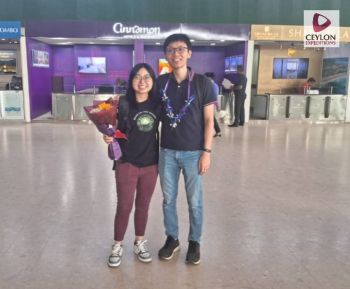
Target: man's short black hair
(177,37)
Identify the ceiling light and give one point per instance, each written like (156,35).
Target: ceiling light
(213,44)
(157,43)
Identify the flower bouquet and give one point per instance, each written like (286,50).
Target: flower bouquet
(104,115)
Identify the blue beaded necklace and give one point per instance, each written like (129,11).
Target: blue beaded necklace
(175,119)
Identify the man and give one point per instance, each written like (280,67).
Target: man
(239,90)
(303,89)
(186,138)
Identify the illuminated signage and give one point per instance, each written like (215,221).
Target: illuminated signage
(136,30)
(10,29)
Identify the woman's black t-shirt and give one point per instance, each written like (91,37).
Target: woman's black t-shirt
(141,127)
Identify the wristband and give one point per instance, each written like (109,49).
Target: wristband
(207,150)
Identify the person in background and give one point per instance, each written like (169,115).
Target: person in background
(227,98)
(186,139)
(307,85)
(211,76)
(137,170)
(240,96)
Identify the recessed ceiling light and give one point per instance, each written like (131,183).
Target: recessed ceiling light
(222,40)
(157,43)
(212,44)
(192,40)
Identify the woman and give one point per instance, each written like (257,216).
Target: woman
(137,170)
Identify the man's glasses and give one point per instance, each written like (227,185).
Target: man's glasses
(145,78)
(177,49)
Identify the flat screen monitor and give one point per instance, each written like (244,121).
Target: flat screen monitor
(8,62)
(290,68)
(334,66)
(92,65)
(335,75)
(231,63)
(40,58)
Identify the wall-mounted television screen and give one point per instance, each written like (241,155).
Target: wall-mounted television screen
(163,66)
(8,63)
(290,68)
(92,65)
(231,63)
(40,58)
(335,75)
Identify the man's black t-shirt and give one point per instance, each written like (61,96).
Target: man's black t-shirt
(141,127)
(188,135)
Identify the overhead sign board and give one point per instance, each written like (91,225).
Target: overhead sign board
(10,29)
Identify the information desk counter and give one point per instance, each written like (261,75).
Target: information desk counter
(295,106)
(68,106)
(11,104)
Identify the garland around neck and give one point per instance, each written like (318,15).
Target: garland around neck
(175,119)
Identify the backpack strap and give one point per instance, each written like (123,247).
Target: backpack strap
(199,85)
(123,113)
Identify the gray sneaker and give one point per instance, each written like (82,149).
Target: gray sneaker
(141,250)
(115,258)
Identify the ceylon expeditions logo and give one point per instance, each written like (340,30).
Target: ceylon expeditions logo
(321,28)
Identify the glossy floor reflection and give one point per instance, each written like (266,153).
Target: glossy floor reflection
(277,211)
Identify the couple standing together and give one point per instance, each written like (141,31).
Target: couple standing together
(184,102)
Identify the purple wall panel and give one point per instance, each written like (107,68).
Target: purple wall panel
(39,81)
(63,65)
(118,62)
(152,55)
(139,51)
(209,59)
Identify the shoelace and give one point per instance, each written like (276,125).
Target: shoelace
(142,246)
(116,250)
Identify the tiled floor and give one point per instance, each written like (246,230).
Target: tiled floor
(277,211)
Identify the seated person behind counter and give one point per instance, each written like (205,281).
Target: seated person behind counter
(307,86)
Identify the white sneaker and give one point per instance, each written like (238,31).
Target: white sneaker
(141,250)
(115,258)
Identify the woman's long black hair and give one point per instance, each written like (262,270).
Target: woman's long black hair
(130,92)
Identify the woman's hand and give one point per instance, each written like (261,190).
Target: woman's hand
(107,139)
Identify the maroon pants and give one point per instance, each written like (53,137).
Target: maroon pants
(130,179)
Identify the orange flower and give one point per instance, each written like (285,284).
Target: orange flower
(104,106)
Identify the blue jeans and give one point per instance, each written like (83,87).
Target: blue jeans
(171,162)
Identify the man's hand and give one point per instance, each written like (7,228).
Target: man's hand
(204,163)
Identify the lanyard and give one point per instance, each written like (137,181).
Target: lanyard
(175,119)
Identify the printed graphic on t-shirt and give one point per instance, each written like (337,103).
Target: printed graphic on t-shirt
(145,121)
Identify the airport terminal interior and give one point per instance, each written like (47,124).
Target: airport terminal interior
(276,211)
(277,194)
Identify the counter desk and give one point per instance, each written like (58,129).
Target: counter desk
(11,104)
(295,106)
(69,106)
